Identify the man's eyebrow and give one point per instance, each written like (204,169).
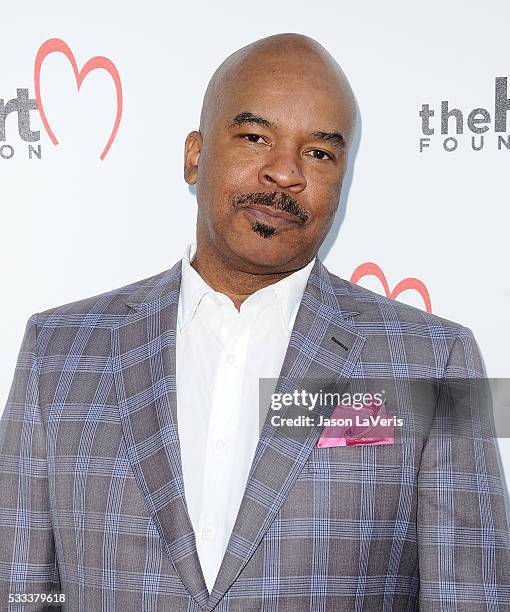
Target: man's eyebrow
(247,118)
(334,138)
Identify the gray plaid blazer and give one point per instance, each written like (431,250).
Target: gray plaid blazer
(92,502)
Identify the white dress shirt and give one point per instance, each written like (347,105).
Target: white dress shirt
(220,355)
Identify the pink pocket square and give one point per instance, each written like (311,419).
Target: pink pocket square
(350,426)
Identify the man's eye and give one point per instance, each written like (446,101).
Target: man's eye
(252,138)
(319,154)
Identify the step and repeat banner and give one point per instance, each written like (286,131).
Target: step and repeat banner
(96,100)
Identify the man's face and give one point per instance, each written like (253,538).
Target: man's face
(269,168)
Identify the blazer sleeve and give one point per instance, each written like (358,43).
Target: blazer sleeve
(27,552)
(463,535)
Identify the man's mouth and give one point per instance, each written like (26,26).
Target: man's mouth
(269,216)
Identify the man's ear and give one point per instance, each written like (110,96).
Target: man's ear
(192,148)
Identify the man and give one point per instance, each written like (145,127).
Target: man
(133,473)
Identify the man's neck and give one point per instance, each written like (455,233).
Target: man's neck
(238,285)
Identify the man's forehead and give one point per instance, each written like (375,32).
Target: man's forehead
(285,108)
(299,92)
(303,91)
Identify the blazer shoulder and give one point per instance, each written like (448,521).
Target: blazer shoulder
(380,307)
(109,304)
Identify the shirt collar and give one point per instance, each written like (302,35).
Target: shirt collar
(289,291)
(193,288)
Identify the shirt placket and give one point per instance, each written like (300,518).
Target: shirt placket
(223,423)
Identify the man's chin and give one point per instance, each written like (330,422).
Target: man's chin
(269,253)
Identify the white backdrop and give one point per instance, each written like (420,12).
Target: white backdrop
(74,225)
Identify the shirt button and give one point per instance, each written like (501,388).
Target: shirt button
(231,359)
(208,533)
(220,444)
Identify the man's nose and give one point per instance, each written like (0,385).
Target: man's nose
(283,169)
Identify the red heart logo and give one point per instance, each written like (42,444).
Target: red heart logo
(56,45)
(372,269)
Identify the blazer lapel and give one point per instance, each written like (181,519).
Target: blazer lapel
(143,355)
(323,345)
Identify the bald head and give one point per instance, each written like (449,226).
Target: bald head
(293,58)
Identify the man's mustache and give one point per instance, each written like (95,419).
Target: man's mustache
(274,199)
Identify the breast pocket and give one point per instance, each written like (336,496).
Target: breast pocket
(382,461)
